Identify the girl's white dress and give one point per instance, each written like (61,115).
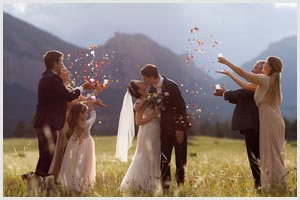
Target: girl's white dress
(78,169)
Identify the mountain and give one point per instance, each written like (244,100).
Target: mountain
(120,60)
(286,49)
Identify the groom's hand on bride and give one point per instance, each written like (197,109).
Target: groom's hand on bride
(179,136)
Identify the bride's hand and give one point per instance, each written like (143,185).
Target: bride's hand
(137,106)
(224,71)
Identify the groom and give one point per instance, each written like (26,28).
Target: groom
(173,123)
(245,118)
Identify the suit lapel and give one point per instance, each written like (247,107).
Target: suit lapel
(163,87)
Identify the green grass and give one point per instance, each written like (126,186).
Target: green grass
(215,167)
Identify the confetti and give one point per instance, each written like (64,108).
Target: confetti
(200,42)
(93,53)
(195,29)
(92,46)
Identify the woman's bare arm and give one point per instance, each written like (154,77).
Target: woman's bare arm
(242,84)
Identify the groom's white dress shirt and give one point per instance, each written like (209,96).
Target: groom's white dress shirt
(158,86)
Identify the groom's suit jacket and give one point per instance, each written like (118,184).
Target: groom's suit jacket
(245,115)
(174,115)
(52,101)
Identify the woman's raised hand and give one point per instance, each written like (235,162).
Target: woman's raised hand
(222,60)
(224,71)
(99,103)
(101,86)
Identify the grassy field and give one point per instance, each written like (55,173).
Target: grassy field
(215,167)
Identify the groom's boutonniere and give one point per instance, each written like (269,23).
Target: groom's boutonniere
(155,100)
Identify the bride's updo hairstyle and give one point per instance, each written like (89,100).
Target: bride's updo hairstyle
(133,89)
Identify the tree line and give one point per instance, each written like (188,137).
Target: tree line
(213,129)
(223,130)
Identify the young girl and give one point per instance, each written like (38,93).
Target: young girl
(78,169)
(62,138)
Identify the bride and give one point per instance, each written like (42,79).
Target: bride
(144,172)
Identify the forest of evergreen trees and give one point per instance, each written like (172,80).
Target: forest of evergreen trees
(217,129)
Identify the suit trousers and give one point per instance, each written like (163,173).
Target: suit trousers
(168,141)
(252,145)
(46,141)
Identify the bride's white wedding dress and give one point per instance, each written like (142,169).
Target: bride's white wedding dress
(144,171)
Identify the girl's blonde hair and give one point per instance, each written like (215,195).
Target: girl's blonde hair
(274,94)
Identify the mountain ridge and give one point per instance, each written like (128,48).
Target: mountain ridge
(123,56)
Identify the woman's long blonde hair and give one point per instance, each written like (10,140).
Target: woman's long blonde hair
(274,94)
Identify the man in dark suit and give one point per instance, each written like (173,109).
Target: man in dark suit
(245,118)
(51,108)
(173,123)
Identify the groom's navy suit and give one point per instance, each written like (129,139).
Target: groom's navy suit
(172,118)
(245,118)
(50,113)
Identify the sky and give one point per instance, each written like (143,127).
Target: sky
(242,30)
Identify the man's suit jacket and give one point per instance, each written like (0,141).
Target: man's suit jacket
(174,115)
(52,101)
(245,115)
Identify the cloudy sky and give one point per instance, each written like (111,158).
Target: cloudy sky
(243,29)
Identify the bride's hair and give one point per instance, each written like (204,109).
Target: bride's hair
(133,89)
(74,116)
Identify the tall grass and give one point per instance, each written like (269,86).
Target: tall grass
(215,168)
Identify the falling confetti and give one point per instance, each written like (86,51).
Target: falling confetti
(89,65)
(195,29)
(200,42)
(93,53)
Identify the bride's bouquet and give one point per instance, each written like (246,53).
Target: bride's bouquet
(155,100)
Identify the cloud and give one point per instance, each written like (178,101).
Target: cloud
(285,5)
(20,7)
(246,29)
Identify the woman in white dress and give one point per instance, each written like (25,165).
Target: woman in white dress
(78,169)
(143,174)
